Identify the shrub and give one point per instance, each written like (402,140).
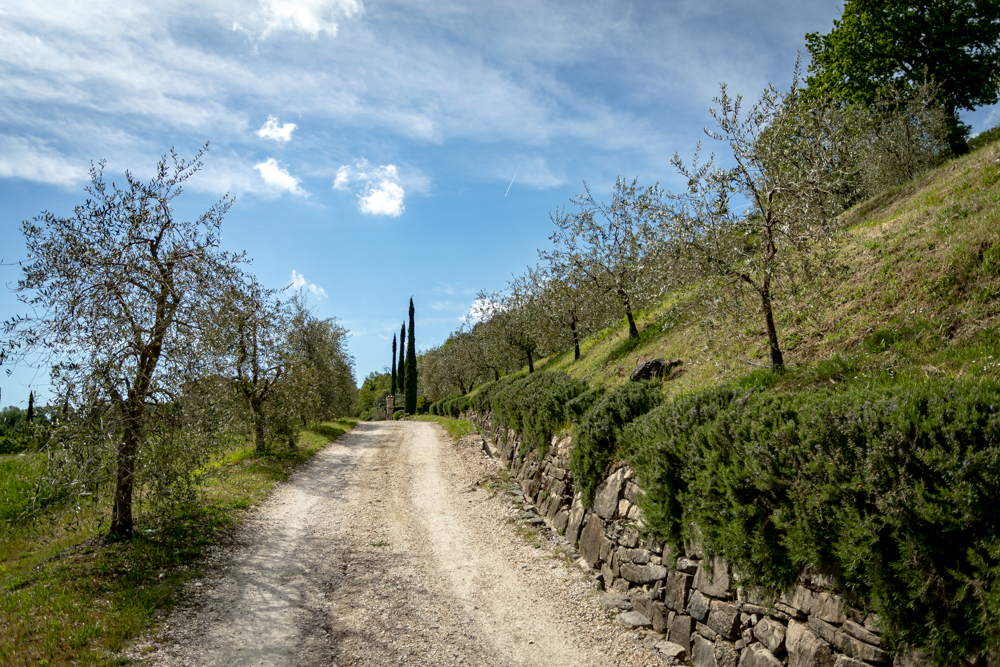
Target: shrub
(481,402)
(582,403)
(891,489)
(656,446)
(984,138)
(600,427)
(451,406)
(484,398)
(534,406)
(16,434)
(378,406)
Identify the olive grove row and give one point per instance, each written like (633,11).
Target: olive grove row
(164,349)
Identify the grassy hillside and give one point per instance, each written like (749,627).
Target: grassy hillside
(914,291)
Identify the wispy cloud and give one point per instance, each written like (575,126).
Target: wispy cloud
(993,119)
(279,178)
(381,192)
(299,281)
(35,161)
(492,73)
(272,130)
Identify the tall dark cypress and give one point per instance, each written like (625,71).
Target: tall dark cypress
(31,407)
(411,368)
(401,367)
(393,392)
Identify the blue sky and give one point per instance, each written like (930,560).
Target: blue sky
(369,144)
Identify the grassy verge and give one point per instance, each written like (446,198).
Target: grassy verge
(68,597)
(456,427)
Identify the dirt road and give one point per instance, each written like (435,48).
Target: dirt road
(386,549)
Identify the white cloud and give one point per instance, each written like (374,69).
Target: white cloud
(308,16)
(480,310)
(279,178)
(280,133)
(381,192)
(384,199)
(299,281)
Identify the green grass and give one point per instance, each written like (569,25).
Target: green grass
(456,428)
(68,596)
(17,475)
(912,292)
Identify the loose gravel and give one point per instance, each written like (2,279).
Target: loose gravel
(395,546)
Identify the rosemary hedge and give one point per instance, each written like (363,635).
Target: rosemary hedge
(600,427)
(892,489)
(579,406)
(534,407)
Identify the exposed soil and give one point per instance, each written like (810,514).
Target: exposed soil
(387,548)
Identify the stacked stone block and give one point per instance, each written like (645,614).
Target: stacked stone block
(690,598)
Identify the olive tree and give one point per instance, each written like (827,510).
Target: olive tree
(321,344)
(516,318)
(573,307)
(120,295)
(900,135)
(453,366)
(760,223)
(267,372)
(607,245)
(492,355)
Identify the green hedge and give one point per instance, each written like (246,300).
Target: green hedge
(452,406)
(600,427)
(483,401)
(535,407)
(894,490)
(580,405)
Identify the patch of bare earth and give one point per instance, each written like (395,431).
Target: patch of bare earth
(387,550)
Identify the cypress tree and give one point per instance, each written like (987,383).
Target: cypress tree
(31,407)
(393,365)
(401,368)
(411,368)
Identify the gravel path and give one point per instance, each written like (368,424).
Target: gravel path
(393,547)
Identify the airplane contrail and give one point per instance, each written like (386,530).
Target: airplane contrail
(512,180)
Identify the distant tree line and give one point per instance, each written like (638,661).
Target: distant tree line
(164,349)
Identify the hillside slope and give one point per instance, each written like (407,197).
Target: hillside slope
(914,290)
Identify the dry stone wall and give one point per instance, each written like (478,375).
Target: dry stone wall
(690,598)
